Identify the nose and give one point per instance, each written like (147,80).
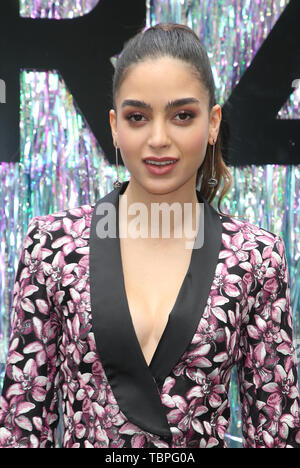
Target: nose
(159,134)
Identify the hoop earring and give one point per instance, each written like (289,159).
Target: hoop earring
(212,182)
(117,183)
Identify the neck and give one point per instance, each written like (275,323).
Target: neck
(179,221)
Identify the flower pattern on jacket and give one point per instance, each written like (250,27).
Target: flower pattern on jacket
(247,322)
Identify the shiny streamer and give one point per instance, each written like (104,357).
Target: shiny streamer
(63,166)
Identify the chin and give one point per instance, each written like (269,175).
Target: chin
(160,186)
(163,187)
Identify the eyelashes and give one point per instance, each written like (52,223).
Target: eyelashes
(191,115)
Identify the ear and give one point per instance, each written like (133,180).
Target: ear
(113,125)
(215,121)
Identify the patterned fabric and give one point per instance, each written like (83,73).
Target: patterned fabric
(246,322)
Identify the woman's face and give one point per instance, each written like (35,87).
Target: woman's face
(149,128)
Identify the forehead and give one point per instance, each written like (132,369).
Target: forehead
(161,79)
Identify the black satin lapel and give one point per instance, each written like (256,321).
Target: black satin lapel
(128,374)
(192,298)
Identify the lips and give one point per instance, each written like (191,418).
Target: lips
(162,159)
(160,166)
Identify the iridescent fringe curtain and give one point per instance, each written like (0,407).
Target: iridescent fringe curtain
(63,166)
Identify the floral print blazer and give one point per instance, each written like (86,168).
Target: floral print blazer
(72,335)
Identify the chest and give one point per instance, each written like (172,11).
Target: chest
(153,275)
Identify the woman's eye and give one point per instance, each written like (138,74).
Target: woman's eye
(134,115)
(184,114)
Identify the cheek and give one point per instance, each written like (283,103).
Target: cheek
(195,143)
(128,141)
(128,148)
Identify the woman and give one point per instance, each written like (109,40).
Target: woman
(140,333)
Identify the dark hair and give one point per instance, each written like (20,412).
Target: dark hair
(180,42)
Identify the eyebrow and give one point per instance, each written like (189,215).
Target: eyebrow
(169,105)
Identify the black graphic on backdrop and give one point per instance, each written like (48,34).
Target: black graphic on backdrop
(254,135)
(80,49)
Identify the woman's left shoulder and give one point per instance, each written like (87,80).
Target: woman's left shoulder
(242,230)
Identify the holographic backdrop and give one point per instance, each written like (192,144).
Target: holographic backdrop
(63,166)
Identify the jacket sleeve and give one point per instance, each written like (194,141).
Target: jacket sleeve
(29,404)
(267,370)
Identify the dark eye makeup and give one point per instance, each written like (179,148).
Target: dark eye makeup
(137,114)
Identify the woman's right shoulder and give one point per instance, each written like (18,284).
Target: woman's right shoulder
(79,212)
(64,231)
(64,219)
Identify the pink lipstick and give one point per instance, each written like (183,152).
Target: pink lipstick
(160,166)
